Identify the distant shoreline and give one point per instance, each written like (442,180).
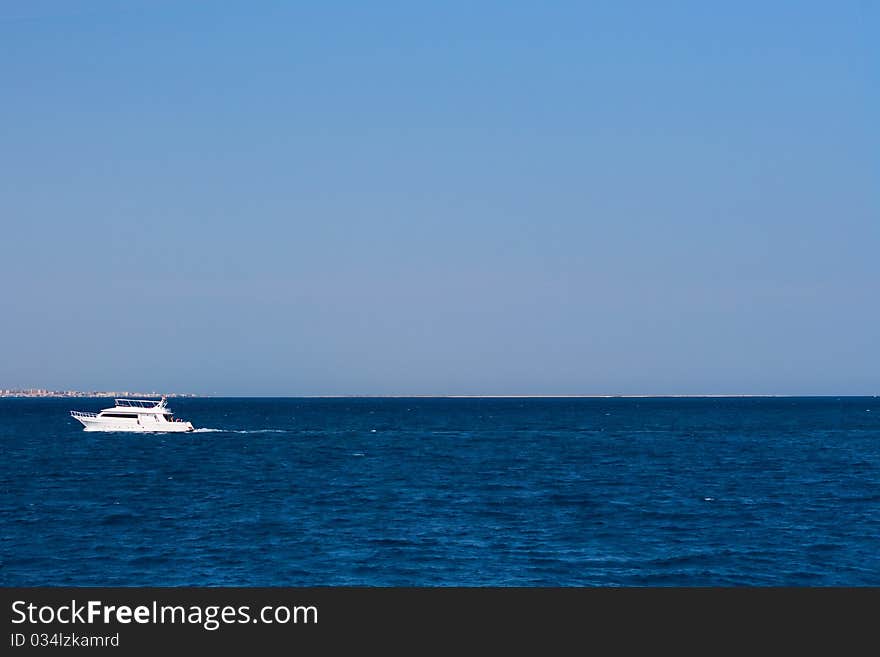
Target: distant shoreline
(39,393)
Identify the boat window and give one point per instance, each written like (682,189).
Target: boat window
(119,415)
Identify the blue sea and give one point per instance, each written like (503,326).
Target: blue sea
(447,492)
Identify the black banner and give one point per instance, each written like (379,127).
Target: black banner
(276,620)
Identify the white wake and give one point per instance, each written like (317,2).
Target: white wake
(206,430)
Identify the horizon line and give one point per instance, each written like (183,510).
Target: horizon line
(101,394)
(563,396)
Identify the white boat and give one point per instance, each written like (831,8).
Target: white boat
(133,415)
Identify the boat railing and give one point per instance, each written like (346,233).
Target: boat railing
(83,414)
(139,403)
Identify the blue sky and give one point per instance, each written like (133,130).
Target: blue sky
(284,198)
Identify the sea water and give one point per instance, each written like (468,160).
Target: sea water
(445,492)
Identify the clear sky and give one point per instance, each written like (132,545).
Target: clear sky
(291,198)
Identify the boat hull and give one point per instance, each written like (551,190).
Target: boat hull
(133,426)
